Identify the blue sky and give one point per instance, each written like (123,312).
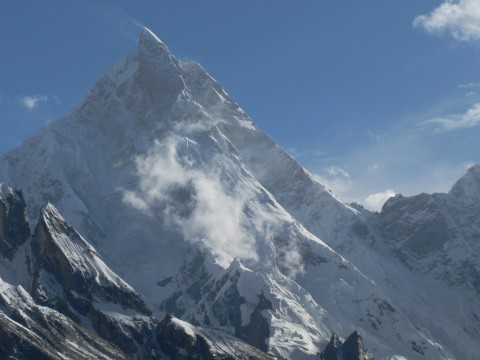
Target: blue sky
(373,97)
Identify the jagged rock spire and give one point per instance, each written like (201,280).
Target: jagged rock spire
(350,349)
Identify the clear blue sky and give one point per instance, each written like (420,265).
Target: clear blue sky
(362,97)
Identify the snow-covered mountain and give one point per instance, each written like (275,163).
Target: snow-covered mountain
(207,219)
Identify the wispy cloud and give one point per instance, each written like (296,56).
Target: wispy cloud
(341,183)
(460,18)
(30,102)
(470,85)
(452,122)
(335,179)
(336,171)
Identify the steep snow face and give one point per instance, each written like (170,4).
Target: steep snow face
(57,241)
(70,276)
(159,165)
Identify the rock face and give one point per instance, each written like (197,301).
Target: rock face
(350,349)
(14,226)
(71,277)
(181,341)
(354,349)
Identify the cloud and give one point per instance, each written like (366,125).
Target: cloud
(375,201)
(460,18)
(374,168)
(196,201)
(469,85)
(290,260)
(336,171)
(338,183)
(32,101)
(376,137)
(468,119)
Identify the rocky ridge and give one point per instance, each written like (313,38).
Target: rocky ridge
(78,308)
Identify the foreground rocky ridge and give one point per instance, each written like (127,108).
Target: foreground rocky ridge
(209,220)
(78,308)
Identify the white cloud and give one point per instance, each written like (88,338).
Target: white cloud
(336,171)
(468,119)
(336,179)
(460,18)
(374,168)
(469,85)
(193,200)
(32,101)
(375,201)
(291,261)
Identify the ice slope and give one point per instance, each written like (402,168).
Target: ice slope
(172,181)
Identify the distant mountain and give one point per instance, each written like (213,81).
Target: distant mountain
(209,221)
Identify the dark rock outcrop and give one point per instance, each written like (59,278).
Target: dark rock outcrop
(219,301)
(14,226)
(182,341)
(72,278)
(333,349)
(350,349)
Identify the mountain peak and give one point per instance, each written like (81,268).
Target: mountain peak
(158,72)
(149,43)
(50,213)
(5,191)
(468,186)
